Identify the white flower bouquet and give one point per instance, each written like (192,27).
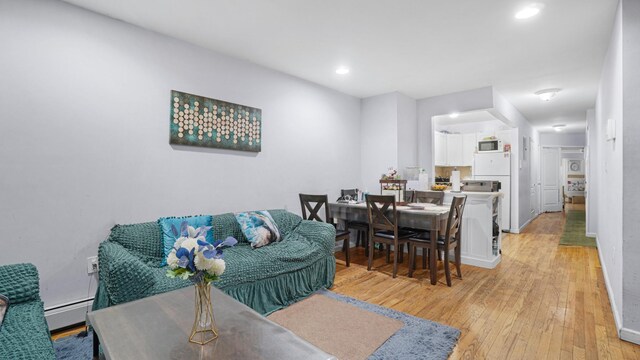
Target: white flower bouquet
(193,258)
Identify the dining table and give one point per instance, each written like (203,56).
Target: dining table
(428,217)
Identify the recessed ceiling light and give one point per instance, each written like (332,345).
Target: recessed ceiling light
(342,70)
(547,94)
(454,115)
(529,11)
(558,127)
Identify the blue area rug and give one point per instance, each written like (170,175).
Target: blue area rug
(74,347)
(418,339)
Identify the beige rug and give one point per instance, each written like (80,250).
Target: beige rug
(338,328)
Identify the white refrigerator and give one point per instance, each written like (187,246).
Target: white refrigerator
(496,166)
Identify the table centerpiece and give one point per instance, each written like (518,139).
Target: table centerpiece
(193,258)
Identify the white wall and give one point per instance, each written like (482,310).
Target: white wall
(563,139)
(84,140)
(477,99)
(407,132)
(489,126)
(631,166)
(378,139)
(388,126)
(525,177)
(609,170)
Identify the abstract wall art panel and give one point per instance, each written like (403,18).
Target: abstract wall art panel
(204,122)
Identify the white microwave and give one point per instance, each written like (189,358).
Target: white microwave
(490,146)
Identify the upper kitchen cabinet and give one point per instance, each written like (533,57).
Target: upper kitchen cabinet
(440,149)
(454,149)
(469,142)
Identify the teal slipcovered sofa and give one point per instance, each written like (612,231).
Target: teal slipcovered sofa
(24,334)
(265,279)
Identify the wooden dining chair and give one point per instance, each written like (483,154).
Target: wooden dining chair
(430,197)
(383,228)
(450,240)
(311,208)
(426,197)
(361,228)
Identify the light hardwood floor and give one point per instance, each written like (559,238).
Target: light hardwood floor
(542,301)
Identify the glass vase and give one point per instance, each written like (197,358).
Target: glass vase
(204,325)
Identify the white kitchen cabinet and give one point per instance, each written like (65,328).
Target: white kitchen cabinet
(469,142)
(440,149)
(454,149)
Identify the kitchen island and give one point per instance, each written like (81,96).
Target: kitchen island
(481,236)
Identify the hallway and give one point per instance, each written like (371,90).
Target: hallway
(542,301)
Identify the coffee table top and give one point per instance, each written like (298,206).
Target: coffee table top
(158,327)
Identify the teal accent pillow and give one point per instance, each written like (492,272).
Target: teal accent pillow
(258,227)
(168,239)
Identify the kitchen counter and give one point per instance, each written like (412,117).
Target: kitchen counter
(474,193)
(481,237)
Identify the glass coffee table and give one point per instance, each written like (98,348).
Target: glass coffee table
(158,327)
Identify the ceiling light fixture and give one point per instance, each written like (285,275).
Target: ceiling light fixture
(454,115)
(529,11)
(547,94)
(558,127)
(342,70)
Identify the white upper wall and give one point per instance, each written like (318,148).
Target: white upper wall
(85,137)
(563,139)
(489,126)
(631,165)
(407,134)
(609,170)
(388,126)
(478,99)
(378,139)
(523,166)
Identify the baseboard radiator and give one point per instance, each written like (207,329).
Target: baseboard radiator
(68,314)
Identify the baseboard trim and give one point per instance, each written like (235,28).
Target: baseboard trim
(519,230)
(487,264)
(62,316)
(616,315)
(591,235)
(630,335)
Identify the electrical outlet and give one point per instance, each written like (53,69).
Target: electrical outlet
(92,265)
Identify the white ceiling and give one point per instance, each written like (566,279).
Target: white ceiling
(418,47)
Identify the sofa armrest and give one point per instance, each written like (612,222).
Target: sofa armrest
(322,233)
(125,276)
(19,282)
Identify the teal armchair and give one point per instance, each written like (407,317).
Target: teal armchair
(24,334)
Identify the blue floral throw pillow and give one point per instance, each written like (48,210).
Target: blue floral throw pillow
(169,239)
(258,227)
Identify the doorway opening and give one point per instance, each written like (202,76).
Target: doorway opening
(563,177)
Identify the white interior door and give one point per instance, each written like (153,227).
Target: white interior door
(538,180)
(533,179)
(551,188)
